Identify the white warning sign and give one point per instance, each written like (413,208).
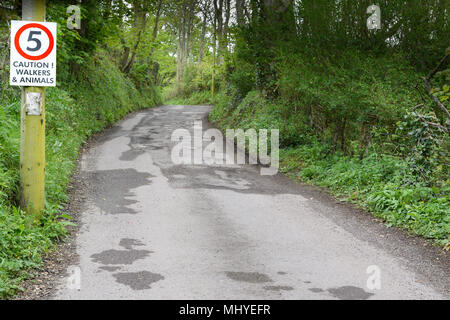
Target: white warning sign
(33,54)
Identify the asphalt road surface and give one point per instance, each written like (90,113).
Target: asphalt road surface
(155,230)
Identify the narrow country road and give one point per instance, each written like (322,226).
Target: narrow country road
(155,230)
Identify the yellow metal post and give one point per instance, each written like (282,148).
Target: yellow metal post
(32,143)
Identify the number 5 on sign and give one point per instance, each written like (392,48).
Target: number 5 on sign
(33,54)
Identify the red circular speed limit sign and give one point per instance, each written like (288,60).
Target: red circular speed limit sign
(28,56)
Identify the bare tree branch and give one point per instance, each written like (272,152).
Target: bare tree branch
(427,83)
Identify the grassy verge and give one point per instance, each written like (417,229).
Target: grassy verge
(383,184)
(75,111)
(376,183)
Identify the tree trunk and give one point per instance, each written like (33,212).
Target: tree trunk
(275,23)
(140,20)
(155,27)
(218,12)
(181,45)
(240,12)
(202,37)
(226,25)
